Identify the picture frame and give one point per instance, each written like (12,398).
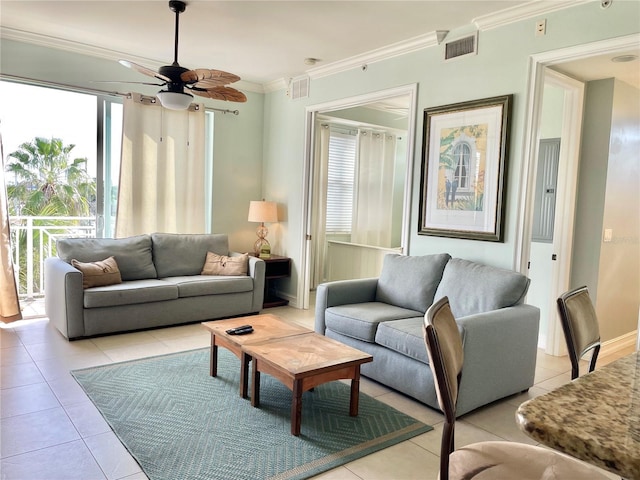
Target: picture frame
(464,161)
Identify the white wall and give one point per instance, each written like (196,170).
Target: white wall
(540,254)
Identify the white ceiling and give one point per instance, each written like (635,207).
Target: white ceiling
(261,41)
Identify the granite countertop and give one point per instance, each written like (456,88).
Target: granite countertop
(595,418)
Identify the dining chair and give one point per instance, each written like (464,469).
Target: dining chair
(484,460)
(580,326)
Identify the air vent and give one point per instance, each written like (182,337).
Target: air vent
(298,88)
(463,46)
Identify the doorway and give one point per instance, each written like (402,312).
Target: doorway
(559,276)
(370,118)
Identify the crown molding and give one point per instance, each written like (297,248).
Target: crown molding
(394,50)
(357,61)
(522,12)
(99,52)
(485,22)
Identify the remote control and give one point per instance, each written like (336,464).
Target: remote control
(234,331)
(244,331)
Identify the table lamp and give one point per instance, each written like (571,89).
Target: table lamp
(262,211)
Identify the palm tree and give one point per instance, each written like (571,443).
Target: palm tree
(48,182)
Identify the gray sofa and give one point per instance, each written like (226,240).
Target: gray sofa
(384,317)
(161,284)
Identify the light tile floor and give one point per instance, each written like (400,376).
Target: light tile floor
(50,430)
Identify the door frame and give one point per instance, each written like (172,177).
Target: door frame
(312,111)
(537,74)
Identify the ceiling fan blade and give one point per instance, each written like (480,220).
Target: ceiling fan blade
(207,78)
(143,70)
(220,93)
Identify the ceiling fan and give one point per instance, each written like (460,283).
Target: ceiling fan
(201,81)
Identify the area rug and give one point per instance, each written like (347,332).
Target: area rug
(180,423)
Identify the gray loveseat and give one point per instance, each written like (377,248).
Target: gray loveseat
(161,284)
(384,317)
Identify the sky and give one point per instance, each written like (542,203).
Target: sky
(27,112)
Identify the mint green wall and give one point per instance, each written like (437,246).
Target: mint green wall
(260,153)
(238,148)
(501,67)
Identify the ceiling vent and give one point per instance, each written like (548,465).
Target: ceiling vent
(298,87)
(461,47)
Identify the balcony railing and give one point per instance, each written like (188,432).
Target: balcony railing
(33,239)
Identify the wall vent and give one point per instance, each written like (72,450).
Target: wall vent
(461,47)
(298,87)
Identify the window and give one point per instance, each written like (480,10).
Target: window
(340,182)
(462,155)
(92,124)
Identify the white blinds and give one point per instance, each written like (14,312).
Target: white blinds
(340,182)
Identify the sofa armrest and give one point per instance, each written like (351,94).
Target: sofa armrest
(500,349)
(64,297)
(342,292)
(257,269)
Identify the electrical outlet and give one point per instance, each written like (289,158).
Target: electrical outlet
(541,28)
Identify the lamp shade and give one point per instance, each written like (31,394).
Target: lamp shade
(175,100)
(262,211)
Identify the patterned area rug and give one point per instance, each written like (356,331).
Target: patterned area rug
(180,423)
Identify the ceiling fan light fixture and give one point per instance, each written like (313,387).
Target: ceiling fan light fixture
(175,100)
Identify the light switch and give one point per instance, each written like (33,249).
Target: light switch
(608,234)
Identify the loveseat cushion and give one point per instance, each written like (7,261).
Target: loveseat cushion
(177,254)
(410,282)
(195,286)
(128,293)
(405,336)
(132,254)
(361,320)
(476,288)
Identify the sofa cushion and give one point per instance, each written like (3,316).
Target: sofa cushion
(410,282)
(404,336)
(361,320)
(476,288)
(177,254)
(195,286)
(98,274)
(133,254)
(223,265)
(128,293)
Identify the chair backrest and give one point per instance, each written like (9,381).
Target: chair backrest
(580,326)
(445,350)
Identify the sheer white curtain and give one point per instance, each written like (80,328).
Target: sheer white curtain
(319,216)
(373,212)
(162,172)
(9,303)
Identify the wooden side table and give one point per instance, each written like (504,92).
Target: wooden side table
(276,267)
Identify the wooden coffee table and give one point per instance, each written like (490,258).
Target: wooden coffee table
(265,328)
(303,362)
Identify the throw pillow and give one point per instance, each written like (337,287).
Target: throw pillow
(98,274)
(222,265)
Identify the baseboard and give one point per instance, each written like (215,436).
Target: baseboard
(620,343)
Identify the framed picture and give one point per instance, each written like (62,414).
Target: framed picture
(464,158)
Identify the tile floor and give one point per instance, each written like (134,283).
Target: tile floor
(50,430)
